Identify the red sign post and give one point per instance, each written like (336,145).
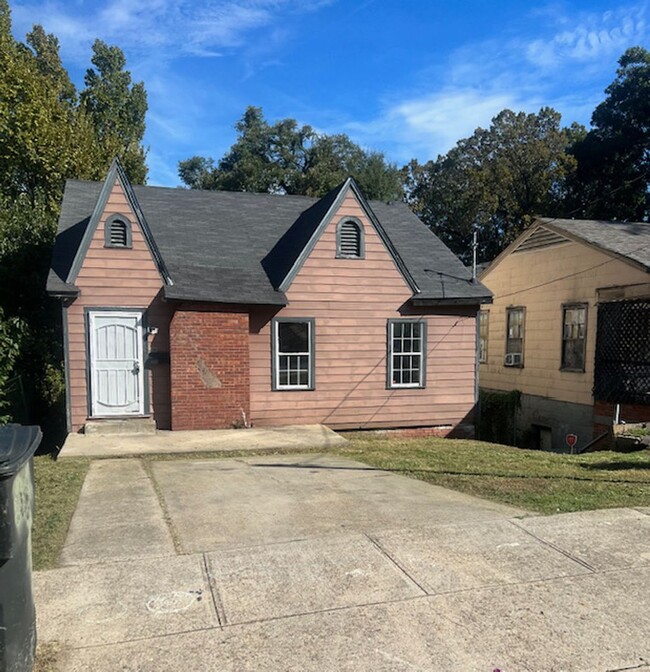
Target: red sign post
(571,440)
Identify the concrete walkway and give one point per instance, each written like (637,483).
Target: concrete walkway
(292,437)
(315,563)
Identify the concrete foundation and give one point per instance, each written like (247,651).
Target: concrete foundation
(544,423)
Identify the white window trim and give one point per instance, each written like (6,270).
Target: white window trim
(277,354)
(422,354)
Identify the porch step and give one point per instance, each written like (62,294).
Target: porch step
(120,426)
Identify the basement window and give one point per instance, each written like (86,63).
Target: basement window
(349,239)
(117,232)
(293,354)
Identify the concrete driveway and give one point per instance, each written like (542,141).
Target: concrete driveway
(318,563)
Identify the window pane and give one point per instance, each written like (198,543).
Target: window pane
(573,337)
(293,336)
(407,345)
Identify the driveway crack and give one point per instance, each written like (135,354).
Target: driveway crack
(566,554)
(385,553)
(214,591)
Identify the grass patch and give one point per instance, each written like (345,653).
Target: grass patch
(47,657)
(529,479)
(57,486)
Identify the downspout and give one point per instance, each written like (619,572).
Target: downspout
(66,364)
(477,398)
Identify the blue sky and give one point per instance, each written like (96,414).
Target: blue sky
(406,77)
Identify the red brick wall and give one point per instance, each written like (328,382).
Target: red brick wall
(629,412)
(210,369)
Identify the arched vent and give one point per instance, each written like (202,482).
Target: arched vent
(350,243)
(117,232)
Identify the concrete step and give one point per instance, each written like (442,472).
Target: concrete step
(120,426)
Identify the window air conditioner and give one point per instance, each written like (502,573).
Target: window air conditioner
(513,359)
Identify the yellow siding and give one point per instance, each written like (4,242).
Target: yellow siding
(542,281)
(351,301)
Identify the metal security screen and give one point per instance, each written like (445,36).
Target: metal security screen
(622,368)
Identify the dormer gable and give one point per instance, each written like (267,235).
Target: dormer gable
(118,226)
(285,260)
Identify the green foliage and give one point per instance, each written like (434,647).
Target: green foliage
(291,159)
(117,108)
(46,136)
(11,333)
(498,414)
(497,180)
(613,178)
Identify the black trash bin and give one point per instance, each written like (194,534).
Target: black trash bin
(17,616)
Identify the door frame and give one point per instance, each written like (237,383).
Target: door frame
(89,313)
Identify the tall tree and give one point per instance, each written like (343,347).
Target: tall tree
(613,177)
(46,136)
(117,108)
(288,158)
(496,181)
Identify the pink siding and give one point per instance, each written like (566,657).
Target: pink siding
(118,278)
(351,301)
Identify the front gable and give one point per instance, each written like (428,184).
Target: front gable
(117,232)
(348,205)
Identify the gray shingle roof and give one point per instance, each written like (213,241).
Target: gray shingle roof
(235,247)
(629,239)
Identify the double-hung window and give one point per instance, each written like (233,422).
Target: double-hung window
(483,317)
(406,353)
(574,332)
(293,354)
(514,337)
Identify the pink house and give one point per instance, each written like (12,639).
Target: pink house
(208,310)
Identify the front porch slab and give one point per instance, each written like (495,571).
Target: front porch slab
(289,437)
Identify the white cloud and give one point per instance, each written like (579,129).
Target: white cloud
(592,37)
(565,63)
(427,126)
(171,27)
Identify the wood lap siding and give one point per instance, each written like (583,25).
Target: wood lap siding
(351,301)
(543,280)
(120,278)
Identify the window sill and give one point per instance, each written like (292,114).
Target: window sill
(406,387)
(293,389)
(565,370)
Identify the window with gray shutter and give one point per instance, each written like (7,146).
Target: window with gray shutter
(349,243)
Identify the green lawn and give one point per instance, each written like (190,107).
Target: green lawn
(531,480)
(57,487)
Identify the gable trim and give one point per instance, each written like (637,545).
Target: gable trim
(571,237)
(599,248)
(348,185)
(116,173)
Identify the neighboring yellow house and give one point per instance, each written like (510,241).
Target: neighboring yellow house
(570,328)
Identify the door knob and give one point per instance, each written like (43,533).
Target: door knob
(136,367)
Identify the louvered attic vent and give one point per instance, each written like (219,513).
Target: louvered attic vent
(540,239)
(350,239)
(118,235)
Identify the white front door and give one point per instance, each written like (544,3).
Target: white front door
(116,363)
